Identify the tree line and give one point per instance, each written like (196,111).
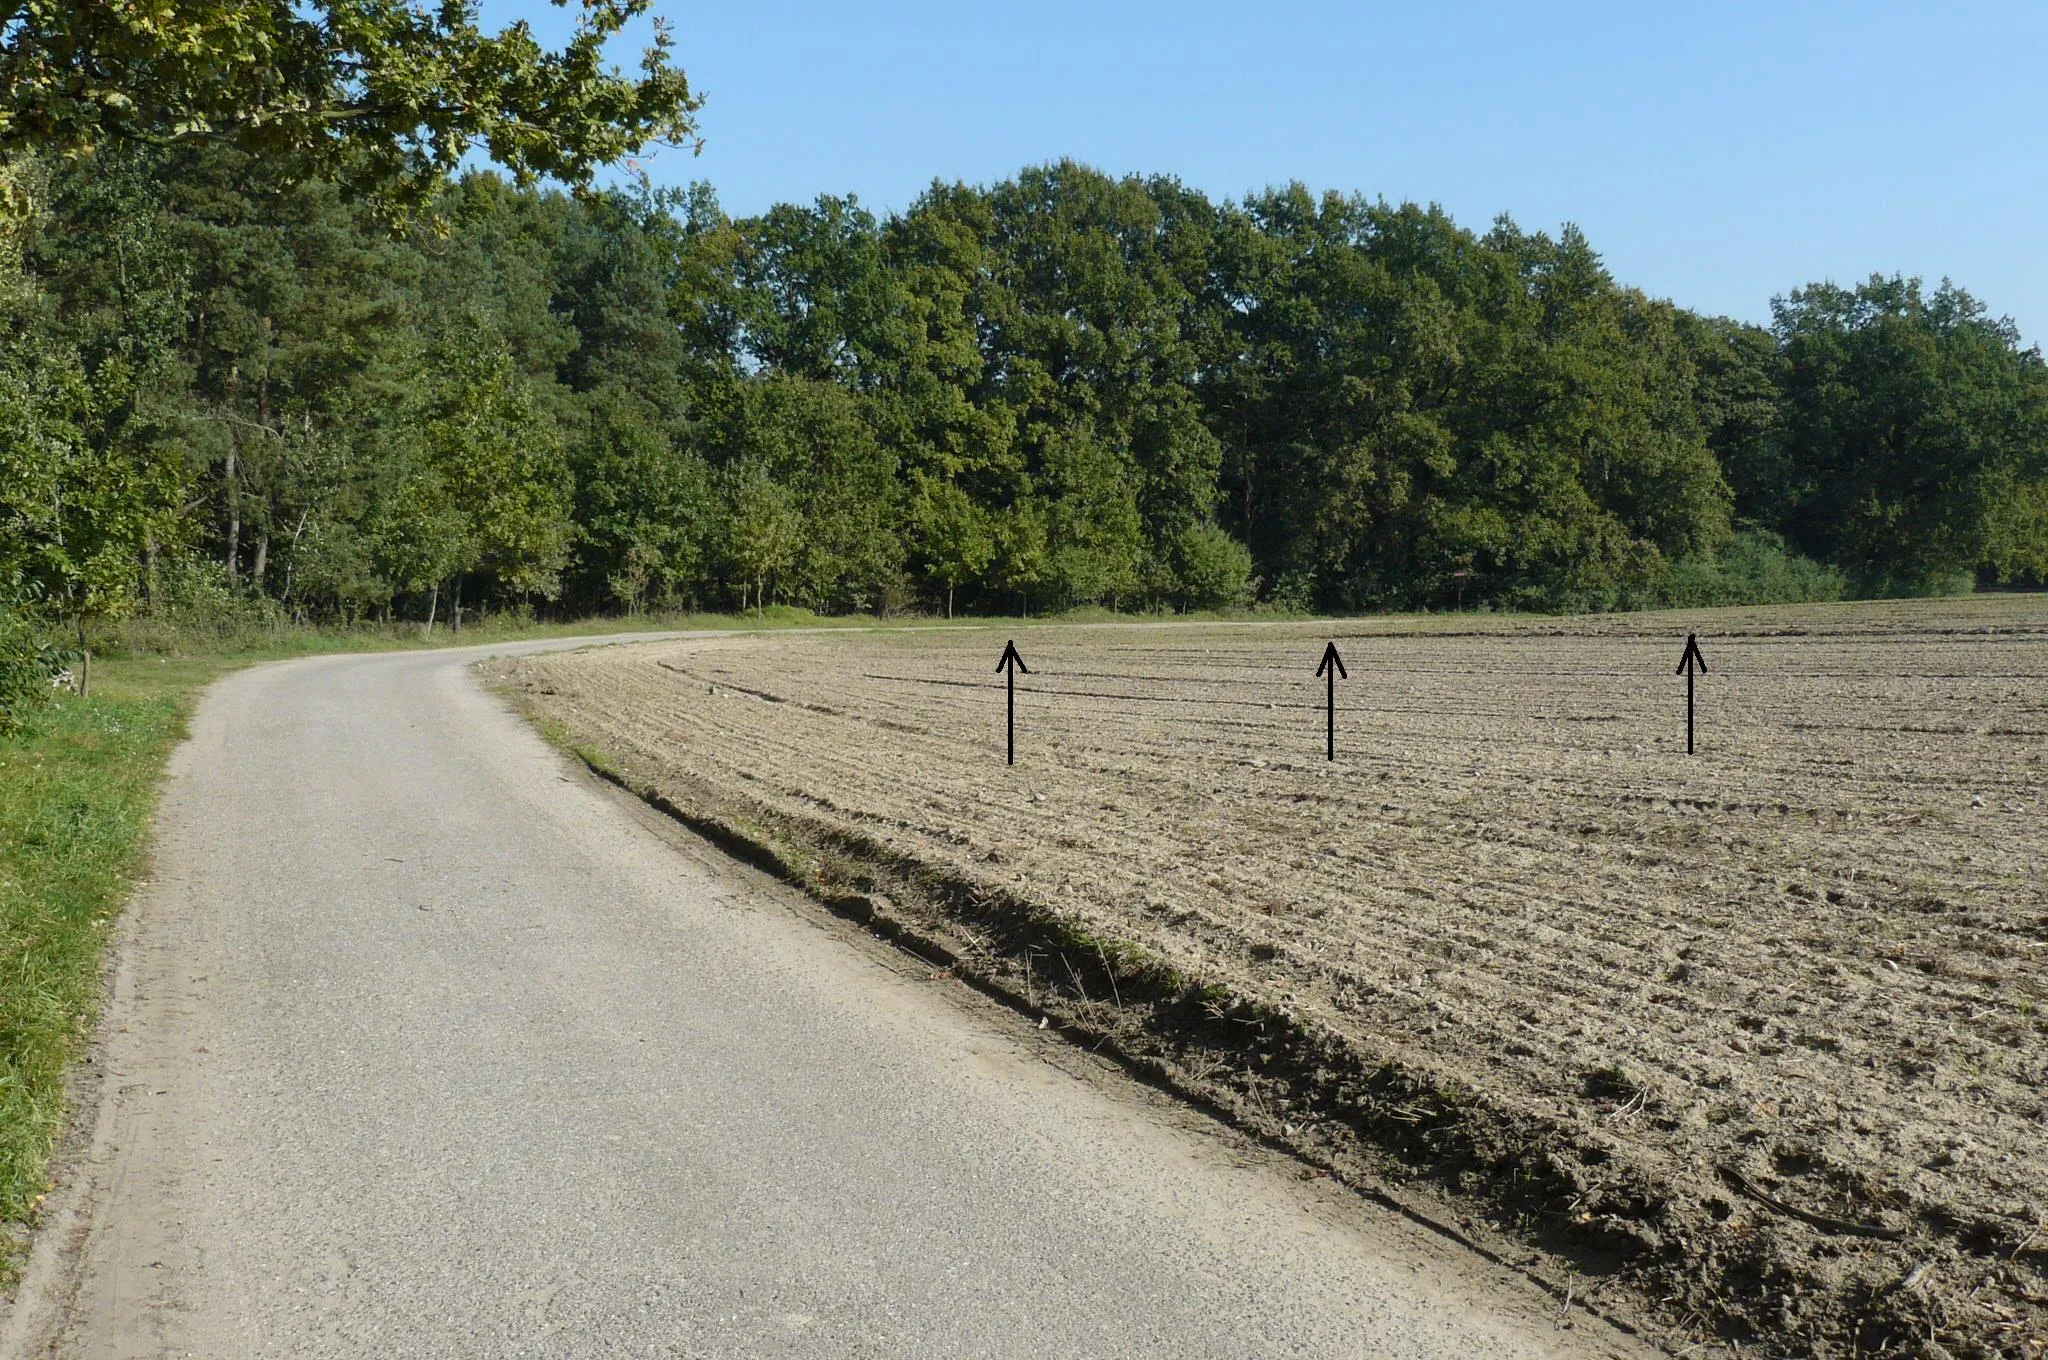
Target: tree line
(226,386)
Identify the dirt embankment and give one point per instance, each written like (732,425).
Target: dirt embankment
(1751,1044)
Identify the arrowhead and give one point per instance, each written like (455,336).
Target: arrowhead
(1330,658)
(1691,657)
(1010,658)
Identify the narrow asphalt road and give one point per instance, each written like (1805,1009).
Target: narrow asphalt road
(422,1044)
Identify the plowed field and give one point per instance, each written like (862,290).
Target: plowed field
(1776,1013)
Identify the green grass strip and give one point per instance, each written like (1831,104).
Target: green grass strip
(76,794)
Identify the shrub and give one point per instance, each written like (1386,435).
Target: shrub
(29,666)
(1753,567)
(193,604)
(1899,585)
(1294,593)
(198,593)
(1215,569)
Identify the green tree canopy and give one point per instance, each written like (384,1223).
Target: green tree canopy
(226,383)
(1916,432)
(383,96)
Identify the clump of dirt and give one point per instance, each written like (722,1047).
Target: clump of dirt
(1751,1046)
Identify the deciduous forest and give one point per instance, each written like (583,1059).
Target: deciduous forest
(222,390)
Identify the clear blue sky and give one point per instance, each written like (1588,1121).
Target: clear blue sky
(1715,154)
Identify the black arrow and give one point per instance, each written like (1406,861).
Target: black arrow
(1333,666)
(1687,660)
(1011,664)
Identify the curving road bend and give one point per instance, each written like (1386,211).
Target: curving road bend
(423,1044)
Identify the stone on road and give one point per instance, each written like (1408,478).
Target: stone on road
(422,1044)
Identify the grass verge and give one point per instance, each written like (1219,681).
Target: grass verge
(76,793)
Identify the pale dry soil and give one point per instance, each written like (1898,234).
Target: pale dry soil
(1814,954)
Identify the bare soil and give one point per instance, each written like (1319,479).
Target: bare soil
(1753,1042)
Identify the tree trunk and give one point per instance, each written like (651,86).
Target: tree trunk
(263,423)
(433,607)
(291,567)
(234,554)
(760,604)
(455,606)
(233,492)
(949,599)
